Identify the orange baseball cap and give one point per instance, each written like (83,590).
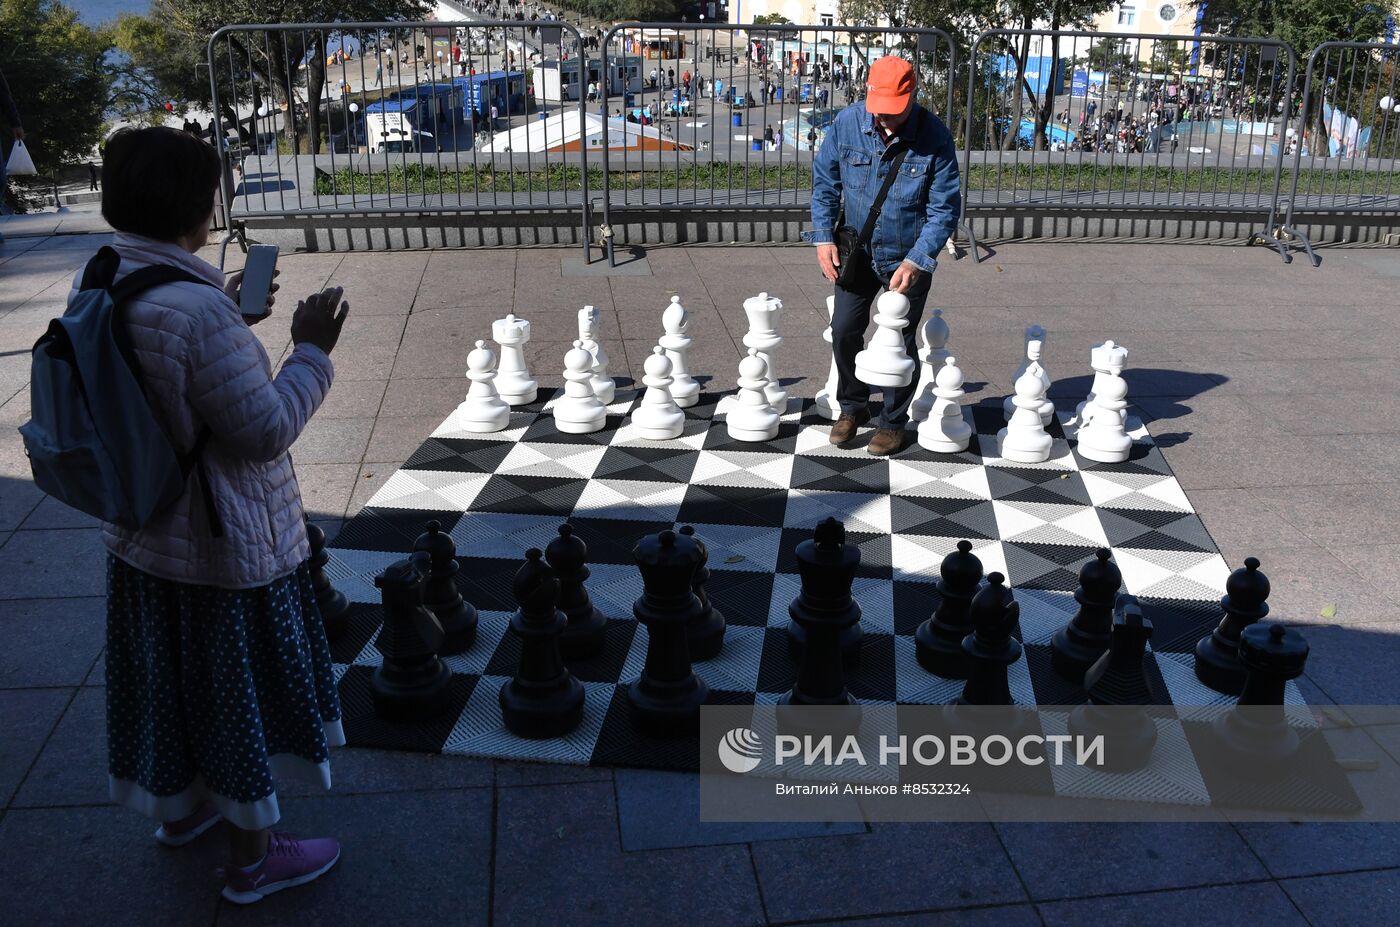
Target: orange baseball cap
(889,86)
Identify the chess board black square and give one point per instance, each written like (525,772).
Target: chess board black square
(391,529)
(605,666)
(612,540)
(361,725)
(933,516)
(530,495)
(717,439)
(1050,687)
(487,582)
(1177,624)
(361,625)
(875,556)
(1023,484)
(733,505)
(647,464)
(741,595)
(1154,530)
(544,431)
(459,455)
(1142,459)
(619,744)
(914,603)
(871,678)
(841,473)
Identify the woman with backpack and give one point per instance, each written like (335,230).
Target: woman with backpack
(218,671)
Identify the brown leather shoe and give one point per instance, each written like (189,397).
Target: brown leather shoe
(886,441)
(845,427)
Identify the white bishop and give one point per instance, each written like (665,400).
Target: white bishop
(685,390)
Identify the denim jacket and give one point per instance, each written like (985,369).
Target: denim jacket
(921,211)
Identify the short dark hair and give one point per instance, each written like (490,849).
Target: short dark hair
(158,182)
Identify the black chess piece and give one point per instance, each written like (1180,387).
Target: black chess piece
(666,699)
(1255,737)
(583,636)
(825,609)
(1079,644)
(991,649)
(334,607)
(456,615)
(544,699)
(411,684)
(1117,687)
(938,641)
(1217,655)
(706,633)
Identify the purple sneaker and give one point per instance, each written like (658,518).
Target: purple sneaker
(289,862)
(178,833)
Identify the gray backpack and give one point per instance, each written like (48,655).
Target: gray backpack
(92,439)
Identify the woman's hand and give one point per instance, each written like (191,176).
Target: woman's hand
(234,290)
(316,321)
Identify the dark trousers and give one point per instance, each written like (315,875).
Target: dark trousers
(848,325)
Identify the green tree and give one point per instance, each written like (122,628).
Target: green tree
(54,66)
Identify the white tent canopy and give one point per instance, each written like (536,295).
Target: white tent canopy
(567,132)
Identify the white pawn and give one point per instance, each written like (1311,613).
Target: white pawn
(514,382)
(885,362)
(483,410)
(684,390)
(658,418)
(751,418)
(945,430)
(1024,438)
(763,313)
(588,324)
(1035,346)
(1104,358)
(579,411)
(1105,437)
(826,404)
(933,338)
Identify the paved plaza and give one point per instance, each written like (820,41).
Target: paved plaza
(1272,390)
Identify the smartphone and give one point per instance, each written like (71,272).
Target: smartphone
(257,280)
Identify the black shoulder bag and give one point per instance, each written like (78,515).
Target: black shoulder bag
(857,269)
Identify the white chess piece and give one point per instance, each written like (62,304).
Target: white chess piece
(1107,359)
(933,338)
(579,411)
(483,410)
(658,418)
(884,362)
(945,430)
(826,403)
(1035,348)
(589,323)
(751,418)
(684,389)
(513,380)
(1024,438)
(1105,438)
(763,312)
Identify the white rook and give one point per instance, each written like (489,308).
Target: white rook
(513,380)
(763,311)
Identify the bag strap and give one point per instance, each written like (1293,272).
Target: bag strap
(874,216)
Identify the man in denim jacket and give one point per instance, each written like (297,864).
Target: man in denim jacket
(916,220)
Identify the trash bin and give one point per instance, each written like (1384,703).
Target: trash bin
(739,119)
(778,95)
(757,144)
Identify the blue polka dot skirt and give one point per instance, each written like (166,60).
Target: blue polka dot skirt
(211,693)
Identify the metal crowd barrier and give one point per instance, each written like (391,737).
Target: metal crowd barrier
(400,119)
(1346,144)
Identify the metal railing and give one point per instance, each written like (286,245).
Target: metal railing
(1346,145)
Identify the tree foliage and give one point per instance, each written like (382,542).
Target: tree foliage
(54,66)
(1303,24)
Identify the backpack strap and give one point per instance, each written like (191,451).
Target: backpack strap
(130,286)
(100,269)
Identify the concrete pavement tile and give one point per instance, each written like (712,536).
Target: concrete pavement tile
(371,477)
(15,410)
(1378,564)
(30,716)
(1333,515)
(380,283)
(1352,663)
(1240,519)
(1302,849)
(97,676)
(999,916)
(1068,860)
(367,347)
(1346,900)
(50,513)
(895,868)
(424,398)
(433,865)
(1376,457)
(333,440)
(1208,414)
(546,831)
(18,496)
(661,810)
(1220,906)
(101,865)
(1218,463)
(1336,412)
(395,438)
(1279,378)
(1306,580)
(57,563)
(326,488)
(357,771)
(511,774)
(353,399)
(72,769)
(50,642)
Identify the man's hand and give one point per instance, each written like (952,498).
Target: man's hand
(904,277)
(829,259)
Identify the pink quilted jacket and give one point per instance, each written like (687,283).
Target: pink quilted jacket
(203,365)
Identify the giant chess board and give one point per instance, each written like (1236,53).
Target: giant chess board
(501,494)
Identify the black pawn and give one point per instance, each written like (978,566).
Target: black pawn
(544,699)
(666,699)
(1117,686)
(1217,655)
(1255,736)
(583,636)
(706,633)
(991,649)
(456,615)
(411,684)
(1079,644)
(825,609)
(938,641)
(334,607)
